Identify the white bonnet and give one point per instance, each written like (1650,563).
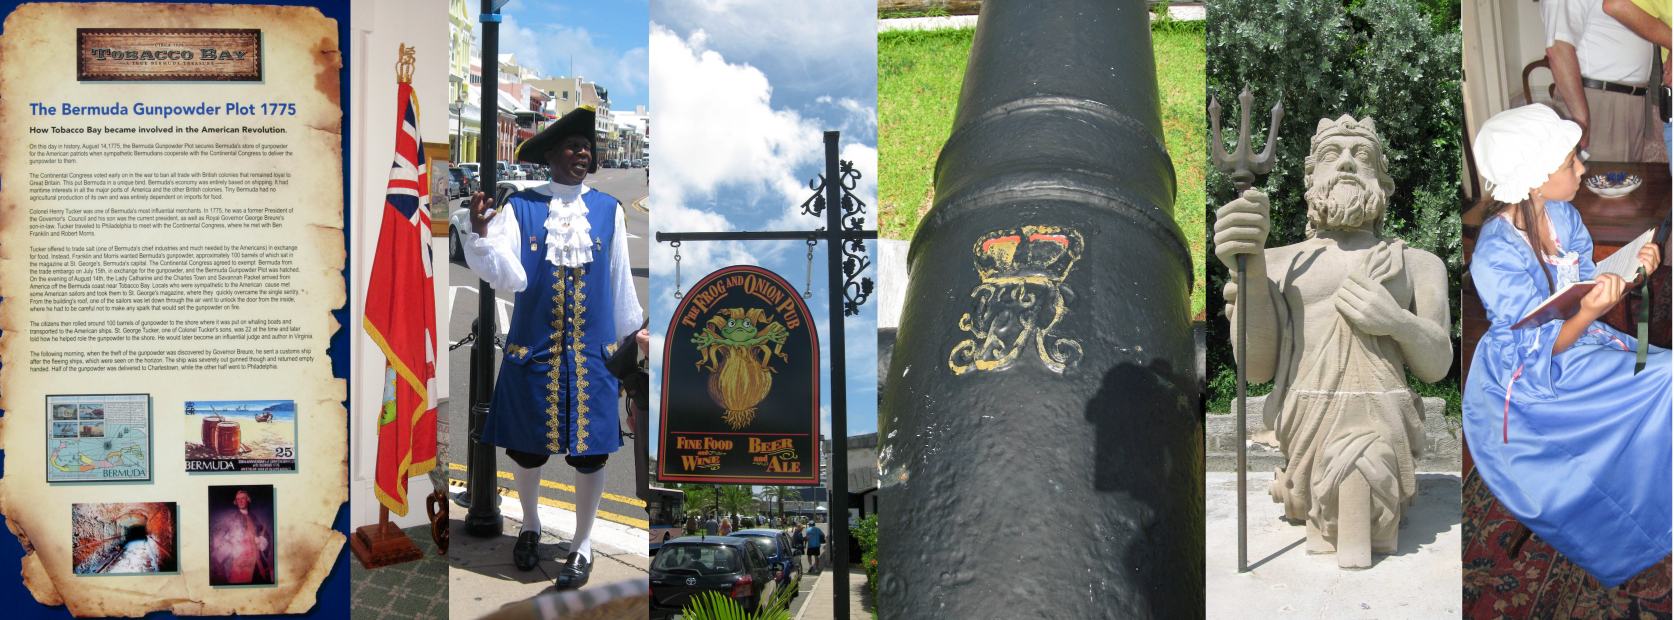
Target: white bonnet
(1518,149)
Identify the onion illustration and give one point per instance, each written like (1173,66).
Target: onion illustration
(739,358)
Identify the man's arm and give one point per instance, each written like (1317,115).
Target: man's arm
(1641,23)
(1241,228)
(1563,22)
(491,248)
(1425,345)
(1260,358)
(629,316)
(1419,328)
(1566,73)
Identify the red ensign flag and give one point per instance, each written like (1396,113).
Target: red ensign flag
(401,316)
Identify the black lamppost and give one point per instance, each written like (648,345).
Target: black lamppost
(483,517)
(459,128)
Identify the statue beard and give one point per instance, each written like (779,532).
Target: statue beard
(1344,203)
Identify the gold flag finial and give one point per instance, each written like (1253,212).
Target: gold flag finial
(404,66)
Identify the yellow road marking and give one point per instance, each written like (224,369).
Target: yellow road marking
(621,499)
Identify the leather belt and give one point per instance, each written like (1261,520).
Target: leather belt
(1637,91)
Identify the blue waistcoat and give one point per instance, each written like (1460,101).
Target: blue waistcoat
(553,394)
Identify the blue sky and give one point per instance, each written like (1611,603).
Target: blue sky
(742,91)
(604,42)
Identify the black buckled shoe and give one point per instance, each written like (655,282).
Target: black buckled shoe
(574,573)
(525,553)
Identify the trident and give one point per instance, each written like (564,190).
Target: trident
(1243,165)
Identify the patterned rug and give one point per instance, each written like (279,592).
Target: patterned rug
(1509,572)
(417,589)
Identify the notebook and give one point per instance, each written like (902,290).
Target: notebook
(1567,300)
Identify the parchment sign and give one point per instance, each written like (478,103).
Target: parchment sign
(168,54)
(741,378)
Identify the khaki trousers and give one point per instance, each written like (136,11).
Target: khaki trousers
(1623,127)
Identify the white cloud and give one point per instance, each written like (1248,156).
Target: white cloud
(553,49)
(858,118)
(820,44)
(865,159)
(715,125)
(698,257)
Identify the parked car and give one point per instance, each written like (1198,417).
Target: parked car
(458,184)
(733,566)
(507,171)
(472,175)
(777,545)
(533,172)
(459,219)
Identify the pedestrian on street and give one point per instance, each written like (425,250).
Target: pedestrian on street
(726,527)
(797,545)
(815,538)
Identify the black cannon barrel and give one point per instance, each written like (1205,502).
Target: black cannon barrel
(1042,440)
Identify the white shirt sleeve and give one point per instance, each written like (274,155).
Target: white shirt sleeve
(1564,20)
(495,258)
(628,313)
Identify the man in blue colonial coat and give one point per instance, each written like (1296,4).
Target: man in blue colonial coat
(563,251)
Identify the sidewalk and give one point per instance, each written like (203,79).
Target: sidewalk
(820,605)
(1421,580)
(481,577)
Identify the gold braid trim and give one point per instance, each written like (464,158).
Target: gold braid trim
(577,321)
(552,385)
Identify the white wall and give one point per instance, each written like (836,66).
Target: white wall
(378,28)
(1501,37)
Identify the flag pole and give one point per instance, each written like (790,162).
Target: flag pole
(383,543)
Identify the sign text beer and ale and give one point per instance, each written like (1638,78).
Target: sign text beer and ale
(740,398)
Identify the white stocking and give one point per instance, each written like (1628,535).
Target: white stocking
(588,489)
(528,480)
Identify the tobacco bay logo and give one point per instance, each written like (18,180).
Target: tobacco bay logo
(168,54)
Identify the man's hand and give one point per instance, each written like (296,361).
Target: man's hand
(643,337)
(1369,307)
(1241,227)
(482,210)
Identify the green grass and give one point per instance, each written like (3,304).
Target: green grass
(919,74)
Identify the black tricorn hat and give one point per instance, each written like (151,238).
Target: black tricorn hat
(579,122)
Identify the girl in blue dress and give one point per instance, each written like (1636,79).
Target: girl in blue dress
(1563,431)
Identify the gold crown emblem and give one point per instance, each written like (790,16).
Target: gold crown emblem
(1027,252)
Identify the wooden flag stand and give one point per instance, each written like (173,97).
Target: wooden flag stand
(382,544)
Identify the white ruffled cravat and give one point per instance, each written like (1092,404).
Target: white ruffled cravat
(569,237)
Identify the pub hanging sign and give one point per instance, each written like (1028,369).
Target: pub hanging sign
(741,377)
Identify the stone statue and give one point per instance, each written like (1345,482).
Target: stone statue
(1334,322)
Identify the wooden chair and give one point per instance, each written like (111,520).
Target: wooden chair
(1528,94)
